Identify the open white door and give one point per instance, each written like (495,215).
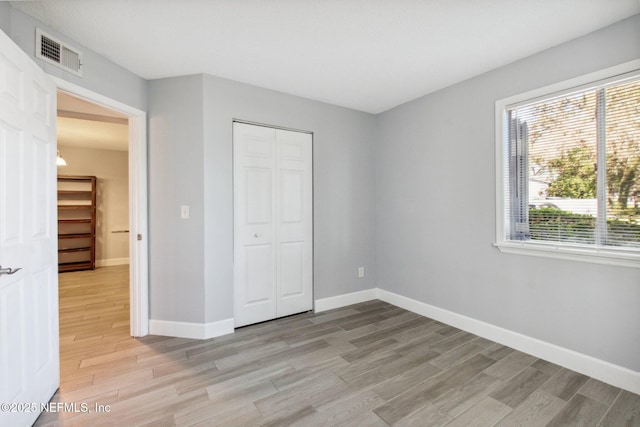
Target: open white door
(29,355)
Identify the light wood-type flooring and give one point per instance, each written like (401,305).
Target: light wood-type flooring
(369,364)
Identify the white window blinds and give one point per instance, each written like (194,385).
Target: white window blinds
(573,168)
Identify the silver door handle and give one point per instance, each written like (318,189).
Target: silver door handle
(8,270)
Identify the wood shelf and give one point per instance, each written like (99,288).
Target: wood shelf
(75,236)
(75,266)
(72,250)
(76,221)
(74,191)
(75,177)
(68,207)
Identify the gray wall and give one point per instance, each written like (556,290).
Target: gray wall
(435,213)
(190,156)
(100,75)
(176,246)
(5,18)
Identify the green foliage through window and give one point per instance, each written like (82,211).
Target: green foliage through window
(576,174)
(562,226)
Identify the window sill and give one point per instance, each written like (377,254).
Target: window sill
(621,257)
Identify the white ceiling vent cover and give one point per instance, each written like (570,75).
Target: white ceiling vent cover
(55,52)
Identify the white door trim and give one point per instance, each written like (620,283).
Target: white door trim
(138,217)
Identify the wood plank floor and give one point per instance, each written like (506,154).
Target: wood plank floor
(369,364)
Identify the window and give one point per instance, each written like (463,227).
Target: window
(569,170)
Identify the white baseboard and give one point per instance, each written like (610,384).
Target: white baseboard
(111,262)
(330,303)
(200,331)
(599,369)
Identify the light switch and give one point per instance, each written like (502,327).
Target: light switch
(184,212)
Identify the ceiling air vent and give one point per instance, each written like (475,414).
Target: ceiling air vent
(55,52)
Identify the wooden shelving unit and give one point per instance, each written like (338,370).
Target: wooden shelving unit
(76,223)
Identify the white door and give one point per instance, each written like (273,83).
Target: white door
(29,358)
(254,264)
(294,226)
(273,223)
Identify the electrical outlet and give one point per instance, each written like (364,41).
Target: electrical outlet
(360,272)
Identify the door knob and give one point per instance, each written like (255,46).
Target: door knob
(8,270)
(257,235)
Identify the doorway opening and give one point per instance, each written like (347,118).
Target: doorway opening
(93,228)
(136,238)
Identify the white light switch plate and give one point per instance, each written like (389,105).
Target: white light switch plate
(184,212)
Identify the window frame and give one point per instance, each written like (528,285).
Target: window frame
(622,256)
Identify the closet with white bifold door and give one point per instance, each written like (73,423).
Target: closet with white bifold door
(273,223)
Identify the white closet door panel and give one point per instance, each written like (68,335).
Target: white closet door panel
(255,293)
(291,262)
(258,196)
(295,222)
(259,270)
(257,286)
(292,196)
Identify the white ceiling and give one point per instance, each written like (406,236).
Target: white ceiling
(92,134)
(370,55)
(83,124)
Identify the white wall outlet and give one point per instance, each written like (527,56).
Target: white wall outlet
(360,272)
(184,212)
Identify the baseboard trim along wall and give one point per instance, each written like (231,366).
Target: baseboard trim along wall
(346,299)
(200,331)
(111,262)
(587,365)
